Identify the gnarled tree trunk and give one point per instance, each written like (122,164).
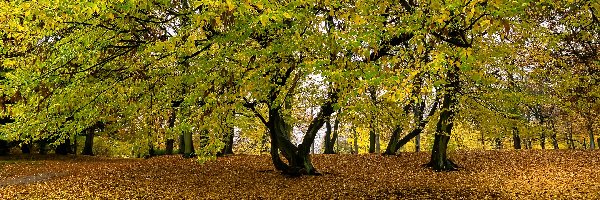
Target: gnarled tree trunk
(439,159)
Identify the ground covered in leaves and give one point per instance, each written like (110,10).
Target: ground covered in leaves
(526,174)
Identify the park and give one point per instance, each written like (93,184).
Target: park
(299,99)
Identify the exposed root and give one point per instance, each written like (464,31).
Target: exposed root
(447,165)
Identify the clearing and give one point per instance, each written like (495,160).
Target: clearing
(528,174)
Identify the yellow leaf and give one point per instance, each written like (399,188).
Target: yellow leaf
(287,15)
(230,5)
(263,20)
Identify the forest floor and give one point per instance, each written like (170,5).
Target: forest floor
(524,174)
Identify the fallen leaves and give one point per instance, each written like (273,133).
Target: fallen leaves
(484,175)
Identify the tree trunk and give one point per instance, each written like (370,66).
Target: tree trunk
(418,111)
(372,138)
(328,142)
(498,143)
(4,148)
(89,143)
(543,140)
(591,133)
(25,148)
(396,144)
(181,144)
(43,147)
(355,150)
(418,143)
(188,150)
(482,141)
(377,144)
(554,141)
(63,148)
(439,159)
(570,140)
(516,138)
(228,148)
(169,146)
(553,136)
(391,147)
(75,143)
(151,151)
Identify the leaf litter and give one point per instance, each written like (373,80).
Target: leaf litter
(524,174)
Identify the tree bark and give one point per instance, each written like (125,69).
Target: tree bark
(516,138)
(372,140)
(43,144)
(591,133)
(89,143)
(169,146)
(188,150)
(328,142)
(391,147)
(373,135)
(418,143)
(498,143)
(394,146)
(26,148)
(4,148)
(554,141)
(355,149)
(181,149)
(543,140)
(172,118)
(228,148)
(439,159)
(63,148)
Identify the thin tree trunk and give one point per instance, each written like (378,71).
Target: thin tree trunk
(336,130)
(75,144)
(554,141)
(482,141)
(355,151)
(553,136)
(328,142)
(570,136)
(591,133)
(418,143)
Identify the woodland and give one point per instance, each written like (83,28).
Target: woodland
(427,99)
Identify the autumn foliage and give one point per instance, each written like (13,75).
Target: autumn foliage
(526,174)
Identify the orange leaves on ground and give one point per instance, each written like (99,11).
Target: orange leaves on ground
(484,174)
